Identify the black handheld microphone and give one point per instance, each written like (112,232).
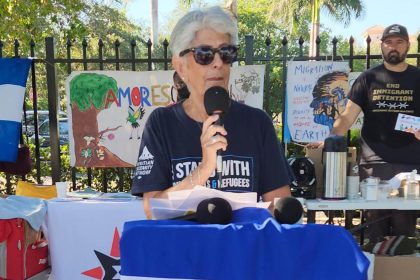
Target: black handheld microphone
(288,210)
(214,210)
(217,101)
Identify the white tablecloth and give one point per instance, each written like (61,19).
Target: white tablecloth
(84,236)
(397,203)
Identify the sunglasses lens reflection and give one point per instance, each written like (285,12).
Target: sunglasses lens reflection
(205,55)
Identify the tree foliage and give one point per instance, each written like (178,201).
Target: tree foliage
(68,22)
(268,33)
(36,19)
(291,12)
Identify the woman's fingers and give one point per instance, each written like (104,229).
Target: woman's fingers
(213,138)
(218,142)
(417,134)
(213,134)
(210,128)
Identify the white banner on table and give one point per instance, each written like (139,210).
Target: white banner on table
(316,95)
(83,237)
(108,109)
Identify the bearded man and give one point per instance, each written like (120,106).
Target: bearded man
(382,93)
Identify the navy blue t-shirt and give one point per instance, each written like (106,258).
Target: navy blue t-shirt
(170,149)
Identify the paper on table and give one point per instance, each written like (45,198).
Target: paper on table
(115,196)
(180,202)
(161,213)
(207,193)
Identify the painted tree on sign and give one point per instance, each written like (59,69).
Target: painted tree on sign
(89,94)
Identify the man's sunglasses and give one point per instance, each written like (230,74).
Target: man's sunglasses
(204,55)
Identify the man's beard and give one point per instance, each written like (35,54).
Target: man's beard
(394,57)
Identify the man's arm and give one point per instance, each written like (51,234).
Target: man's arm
(346,119)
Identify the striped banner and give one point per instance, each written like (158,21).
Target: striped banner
(13,76)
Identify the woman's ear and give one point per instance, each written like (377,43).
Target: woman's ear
(178,64)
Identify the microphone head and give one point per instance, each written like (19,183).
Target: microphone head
(214,210)
(288,210)
(216,100)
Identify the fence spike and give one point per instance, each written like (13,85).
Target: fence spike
(149,43)
(17,44)
(301,41)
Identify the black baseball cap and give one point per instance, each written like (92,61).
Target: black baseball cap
(395,30)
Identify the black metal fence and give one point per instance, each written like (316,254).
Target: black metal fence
(50,63)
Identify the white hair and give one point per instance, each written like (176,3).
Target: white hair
(213,17)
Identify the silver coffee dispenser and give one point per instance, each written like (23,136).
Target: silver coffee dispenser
(335,163)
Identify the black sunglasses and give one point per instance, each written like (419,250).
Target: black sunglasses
(204,55)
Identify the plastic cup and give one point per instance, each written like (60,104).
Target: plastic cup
(61,189)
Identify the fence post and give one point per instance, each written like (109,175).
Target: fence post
(52,108)
(266,81)
(418,50)
(351,54)
(249,49)
(283,113)
(368,40)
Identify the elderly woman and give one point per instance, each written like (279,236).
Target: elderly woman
(180,142)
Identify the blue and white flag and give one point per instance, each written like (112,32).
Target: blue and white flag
(13,76)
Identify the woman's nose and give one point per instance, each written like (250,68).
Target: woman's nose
(217,62)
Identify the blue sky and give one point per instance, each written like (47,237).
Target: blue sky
(377,12)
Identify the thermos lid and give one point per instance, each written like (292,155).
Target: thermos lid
(335,143)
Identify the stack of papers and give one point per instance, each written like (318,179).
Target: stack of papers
(86,193)
(182,202)
(118,196)
(90,193)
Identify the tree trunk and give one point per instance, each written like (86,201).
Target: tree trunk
(154,30)
(88,152)
(315,7)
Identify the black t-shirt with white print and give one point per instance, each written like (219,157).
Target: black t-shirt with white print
(382,95)
(170,149)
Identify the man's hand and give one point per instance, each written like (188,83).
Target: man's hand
(315,145)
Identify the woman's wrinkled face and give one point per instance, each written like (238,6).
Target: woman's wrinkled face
(201,77)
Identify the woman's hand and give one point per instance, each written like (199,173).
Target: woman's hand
(417,134)
(212,139)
